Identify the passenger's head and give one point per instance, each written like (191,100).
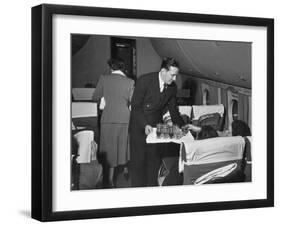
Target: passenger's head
(240,128)
(116,64)
(169,70)
(207,132)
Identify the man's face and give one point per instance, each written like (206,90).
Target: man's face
(170,75)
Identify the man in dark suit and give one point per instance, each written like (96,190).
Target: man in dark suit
(154,95)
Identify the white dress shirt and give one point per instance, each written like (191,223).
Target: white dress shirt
(166,116)
(161,83)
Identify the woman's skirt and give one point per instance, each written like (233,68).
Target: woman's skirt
(114,143)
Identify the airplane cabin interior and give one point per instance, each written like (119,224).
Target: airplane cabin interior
(213,89)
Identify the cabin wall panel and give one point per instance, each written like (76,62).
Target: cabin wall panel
(198,99)
(213,95)
(147,59)
(244,97)
(91,60)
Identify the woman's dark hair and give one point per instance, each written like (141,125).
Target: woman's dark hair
(116,64)
(207,132)
(169,62)
(240,128)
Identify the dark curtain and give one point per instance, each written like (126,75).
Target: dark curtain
(243,108)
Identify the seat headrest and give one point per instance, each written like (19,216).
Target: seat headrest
(84,109)
(83,94)
(199,110)
(185,110)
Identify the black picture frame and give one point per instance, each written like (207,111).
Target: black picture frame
(42,106)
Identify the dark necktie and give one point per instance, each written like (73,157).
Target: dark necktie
(163,93)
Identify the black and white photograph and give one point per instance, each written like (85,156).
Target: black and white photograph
(159,112)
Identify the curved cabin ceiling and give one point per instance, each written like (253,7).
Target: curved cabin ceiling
(222,61)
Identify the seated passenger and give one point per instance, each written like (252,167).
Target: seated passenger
(207,132)
(193,128)
(240,128)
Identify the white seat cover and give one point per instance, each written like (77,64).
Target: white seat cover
(87,149)
(185,110)
(84,109)
(84,94)
(213,150)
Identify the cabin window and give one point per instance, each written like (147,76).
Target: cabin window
(234,110)
(206,97)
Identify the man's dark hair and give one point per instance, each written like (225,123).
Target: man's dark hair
(240,128)
(169,62)
(207,132)
(116,64)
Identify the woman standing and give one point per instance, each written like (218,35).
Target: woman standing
(116,89)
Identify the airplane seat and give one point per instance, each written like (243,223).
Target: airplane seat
(85,117)
(212,115)
(214,160)
(212,119)
(87,173)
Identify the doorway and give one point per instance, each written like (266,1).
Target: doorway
(126,50)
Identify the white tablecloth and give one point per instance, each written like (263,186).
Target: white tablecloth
(152,138)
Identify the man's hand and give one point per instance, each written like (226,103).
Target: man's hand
(169,122)
(193,128)
(148,129)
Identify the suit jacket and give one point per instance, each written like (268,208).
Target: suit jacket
(149,104)
(117,91)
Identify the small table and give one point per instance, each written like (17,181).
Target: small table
(188,138)
(173,154)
